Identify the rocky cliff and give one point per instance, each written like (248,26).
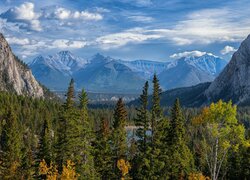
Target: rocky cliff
(234,81)
(15,76)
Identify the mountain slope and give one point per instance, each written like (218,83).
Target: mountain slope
(104,74)
(189,71)
(16,76)
(146,68)
(234,82)
(56,71)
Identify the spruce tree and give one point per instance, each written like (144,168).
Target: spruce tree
(45,143)
(11,144)
(119,144)
(157,125)
(70,95)
(141,166)
(67,116)
(87,136)
(103,152)
(28,166)
(179,157)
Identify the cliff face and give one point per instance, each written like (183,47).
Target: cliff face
(14,75)
(234,81)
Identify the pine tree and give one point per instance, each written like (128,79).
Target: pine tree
(11,145)
(28,160)
(119,144)
(66,119)
(45,143)
(179,157)
(157,126)
(120,118)
(86,134)
(141,164)
(142,121)
(70,95)
(103,152)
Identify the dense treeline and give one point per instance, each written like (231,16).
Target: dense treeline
(42,139)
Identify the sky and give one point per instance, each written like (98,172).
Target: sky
(158,30)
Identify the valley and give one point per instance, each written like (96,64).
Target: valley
(124,90)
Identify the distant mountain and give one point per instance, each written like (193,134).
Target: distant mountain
(234,81)
(56,71)
(146,68)
(105,74)
(15,76)
(189,71)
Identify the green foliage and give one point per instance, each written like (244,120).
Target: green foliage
(103,152)
(158,124)
(179,159)
(221,133)
(11,145)
(118,139)
(41,132)
(141,164)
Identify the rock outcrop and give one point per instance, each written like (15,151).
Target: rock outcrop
(234,81)
(15,76)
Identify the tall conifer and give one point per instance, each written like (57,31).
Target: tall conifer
(11,145)
(142,121)
(119,135)
(103,152)
(179,157)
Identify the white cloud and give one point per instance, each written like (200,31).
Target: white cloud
(62,13)
(228,50)
(18,41)
(24,14)
(120,39)
(143,19)
(189,54)
(64,44)
(200,27)
(65,14)
(140,3)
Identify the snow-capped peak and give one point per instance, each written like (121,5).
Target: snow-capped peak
(62,61)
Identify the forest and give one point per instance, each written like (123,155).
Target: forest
(49,139)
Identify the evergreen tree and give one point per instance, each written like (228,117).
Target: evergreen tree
(141,166)
(157,125)
(70,95)
(103,152)
(119,144)
(45,143)
(11,145)
(87,136)
(67,118)
(28,161)
(179,158)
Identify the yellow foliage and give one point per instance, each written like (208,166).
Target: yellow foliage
(197,176)
(124,167)
(69,172)
(13,167)
(50,171)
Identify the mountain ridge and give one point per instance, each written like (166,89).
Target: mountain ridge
(101,73)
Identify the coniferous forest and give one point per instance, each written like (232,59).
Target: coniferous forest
(48,139)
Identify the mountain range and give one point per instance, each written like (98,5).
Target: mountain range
(108,75)
(233,83)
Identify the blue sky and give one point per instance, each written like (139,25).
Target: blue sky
(127,29)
